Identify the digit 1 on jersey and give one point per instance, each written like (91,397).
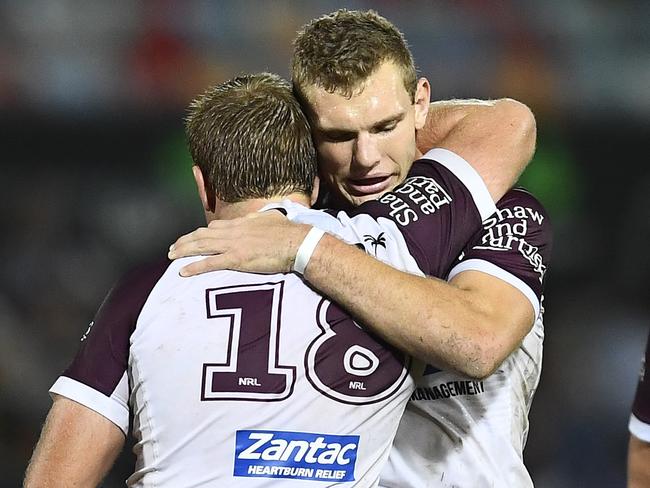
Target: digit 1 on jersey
(251,370)
(372,371)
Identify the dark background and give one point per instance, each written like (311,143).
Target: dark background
(95,177)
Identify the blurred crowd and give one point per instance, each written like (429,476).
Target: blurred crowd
(95,177)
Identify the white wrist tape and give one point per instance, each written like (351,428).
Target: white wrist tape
(306,249)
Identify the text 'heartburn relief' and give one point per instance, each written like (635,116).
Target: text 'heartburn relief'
(295,455)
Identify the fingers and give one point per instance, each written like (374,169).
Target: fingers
(202,241)
(219,234)
(212,263)
(243,244)
(196,247)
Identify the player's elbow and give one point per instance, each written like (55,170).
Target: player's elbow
(519,122)
(480,365)
(484,354)
(484,367)
(517,113)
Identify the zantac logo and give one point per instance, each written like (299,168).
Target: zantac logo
(295,455)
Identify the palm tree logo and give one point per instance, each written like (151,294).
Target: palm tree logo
(380,240)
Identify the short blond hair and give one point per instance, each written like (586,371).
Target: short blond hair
(251,139)
(339,51)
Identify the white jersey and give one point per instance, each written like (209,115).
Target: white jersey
(238,379)
(461,433)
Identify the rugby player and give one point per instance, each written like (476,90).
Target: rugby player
(237,379)
(638,457)
(482,338)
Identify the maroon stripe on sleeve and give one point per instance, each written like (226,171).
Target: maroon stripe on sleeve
(103,355)
(518,238)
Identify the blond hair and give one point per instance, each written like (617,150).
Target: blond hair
(339,51)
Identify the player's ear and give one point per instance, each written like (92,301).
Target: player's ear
(422,100)
(314,192)
(208,198)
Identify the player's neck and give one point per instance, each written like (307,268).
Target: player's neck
(227,211)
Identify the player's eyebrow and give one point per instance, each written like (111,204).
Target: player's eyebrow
(393,118)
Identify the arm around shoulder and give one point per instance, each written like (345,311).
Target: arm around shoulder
(468,326)
(497,137)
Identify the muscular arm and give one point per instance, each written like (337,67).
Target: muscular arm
(638,463)
(469,325)
(497,137)
(77,447)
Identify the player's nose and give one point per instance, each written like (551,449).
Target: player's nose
(366,151)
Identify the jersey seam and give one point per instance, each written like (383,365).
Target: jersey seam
(149,422)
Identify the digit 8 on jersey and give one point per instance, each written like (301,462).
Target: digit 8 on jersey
(349,365)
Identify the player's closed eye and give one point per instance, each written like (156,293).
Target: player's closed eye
(338,136)
(386,128)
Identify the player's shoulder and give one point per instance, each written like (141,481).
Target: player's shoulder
(438,160)
(520,196)
(116,317)
(146,270)
(520,212)
(141,277)
(519,203)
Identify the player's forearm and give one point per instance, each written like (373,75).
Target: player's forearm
(496,137)
(441,325)
(638,463)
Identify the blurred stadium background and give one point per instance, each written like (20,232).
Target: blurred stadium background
(95,177)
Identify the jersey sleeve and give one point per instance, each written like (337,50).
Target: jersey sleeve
(437,209)
(514,245)
(640,419)
(97,377)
